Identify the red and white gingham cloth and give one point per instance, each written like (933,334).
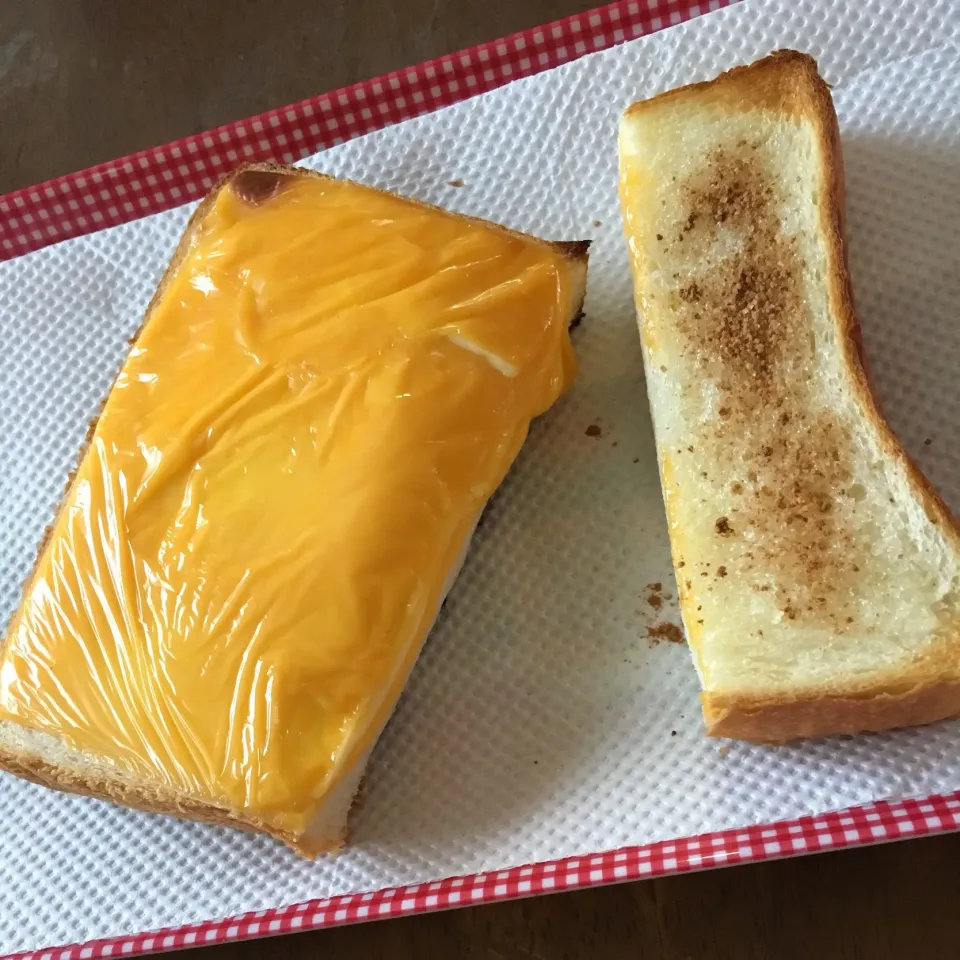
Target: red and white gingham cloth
(167,176)
(870,824)
(164,177)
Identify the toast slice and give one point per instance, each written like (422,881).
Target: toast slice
(819,573)
(279,491)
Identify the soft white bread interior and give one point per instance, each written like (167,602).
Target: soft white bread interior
(51,761)
(819,573)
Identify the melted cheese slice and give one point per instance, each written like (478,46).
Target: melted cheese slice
(326,392)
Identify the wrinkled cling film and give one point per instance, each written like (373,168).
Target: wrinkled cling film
(331,386)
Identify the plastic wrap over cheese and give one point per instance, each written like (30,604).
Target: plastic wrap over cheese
(329,386)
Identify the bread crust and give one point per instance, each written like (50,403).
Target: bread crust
(788,83)
(779,721)
(929,691)
(150,798)
(155,798)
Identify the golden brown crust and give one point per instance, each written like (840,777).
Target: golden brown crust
(776,82)
(778,722)
(788,83)
(150,797)
(833,221)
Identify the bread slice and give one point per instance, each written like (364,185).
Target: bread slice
(819,573)
(50,753)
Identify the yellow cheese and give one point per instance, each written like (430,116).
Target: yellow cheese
(326,392)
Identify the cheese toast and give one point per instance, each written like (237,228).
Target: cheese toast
(329,384)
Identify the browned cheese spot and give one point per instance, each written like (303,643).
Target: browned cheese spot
(258,186)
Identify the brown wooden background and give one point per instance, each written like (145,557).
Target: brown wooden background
(87,80)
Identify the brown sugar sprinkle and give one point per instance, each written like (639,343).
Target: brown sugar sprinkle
(665,631)
(744,325)
(744,302)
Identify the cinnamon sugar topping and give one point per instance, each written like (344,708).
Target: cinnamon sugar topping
(739,308)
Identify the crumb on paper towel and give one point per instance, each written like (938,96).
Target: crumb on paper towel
(594,430)
(665,631)
(655,598)
(597,223)
(455,183)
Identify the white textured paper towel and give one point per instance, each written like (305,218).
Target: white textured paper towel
(539,721)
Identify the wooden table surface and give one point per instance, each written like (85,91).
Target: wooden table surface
(87,80)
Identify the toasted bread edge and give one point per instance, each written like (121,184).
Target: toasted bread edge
(814,717)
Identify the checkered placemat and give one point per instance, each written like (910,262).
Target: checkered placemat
(873,823)
(163,177)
